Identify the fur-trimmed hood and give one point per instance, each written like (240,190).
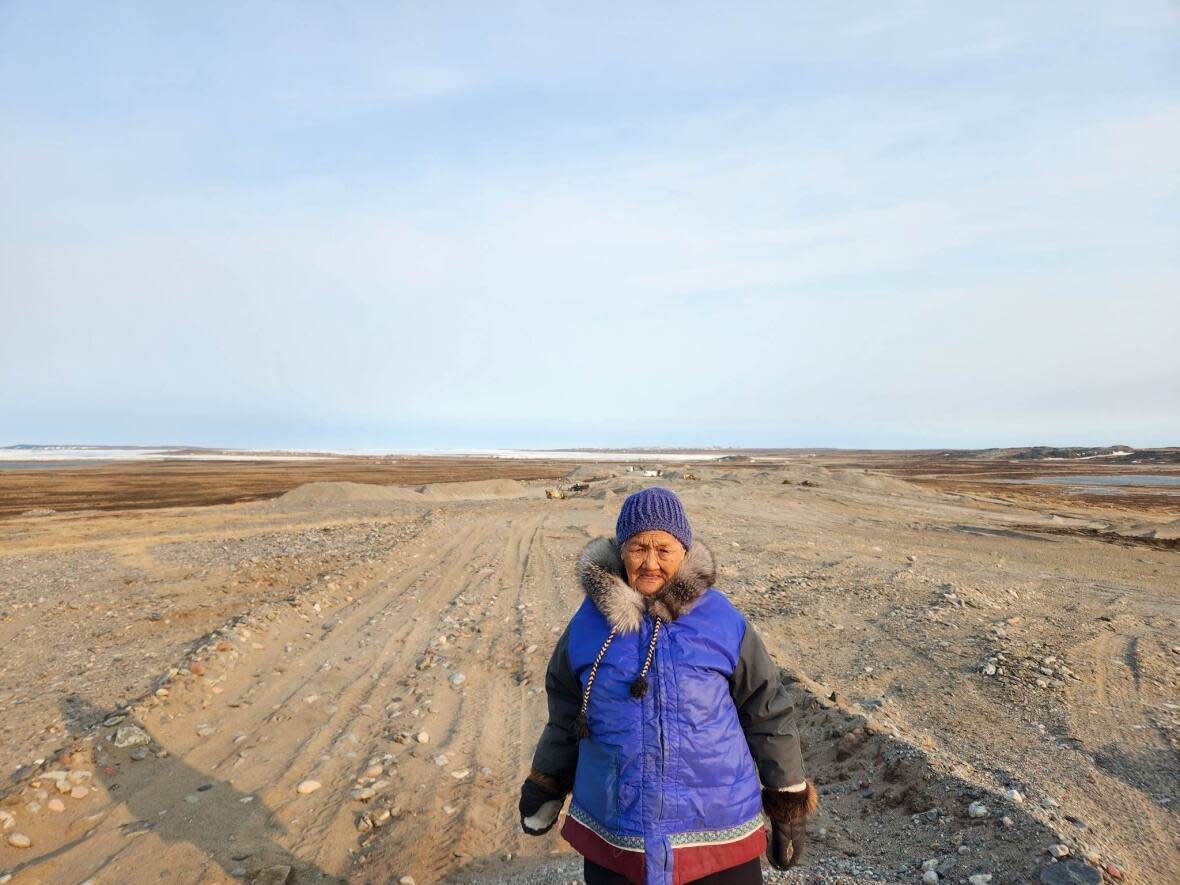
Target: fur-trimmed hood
(603,577)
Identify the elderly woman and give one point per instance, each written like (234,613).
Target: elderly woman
(667,719)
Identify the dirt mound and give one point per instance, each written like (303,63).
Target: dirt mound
(480,489)
(876,482)
(332,494)
(590,473)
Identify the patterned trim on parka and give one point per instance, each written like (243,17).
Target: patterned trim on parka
(678,840)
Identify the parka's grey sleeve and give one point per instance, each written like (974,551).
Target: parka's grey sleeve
(557,750)
(766,714)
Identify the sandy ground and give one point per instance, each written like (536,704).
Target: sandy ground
(943,649)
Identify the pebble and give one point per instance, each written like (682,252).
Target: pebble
(461,773)
(930,878)
(307,787)
(131,736)
(19,840)
(79,792)
(406,880)
(55,804)
(205,730)
(197,668)
(980,879)
(79,776)
(977,809)
(374,771)
(7,820)
(63,786)
(1058,850)
(1007,822)
(139,754)
(1014,796)
(457,679)
(928,865)
(422,737)
(363,794)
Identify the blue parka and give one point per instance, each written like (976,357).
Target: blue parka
(670,717)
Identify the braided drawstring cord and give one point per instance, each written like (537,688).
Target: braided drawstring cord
(638,686)
(581,726)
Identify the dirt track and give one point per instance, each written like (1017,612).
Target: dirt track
(327,638)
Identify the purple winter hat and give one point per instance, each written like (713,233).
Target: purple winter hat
(653,508)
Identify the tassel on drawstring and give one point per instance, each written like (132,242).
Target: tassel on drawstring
(639,686)
(581,726)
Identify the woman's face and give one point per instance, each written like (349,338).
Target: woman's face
(651,559)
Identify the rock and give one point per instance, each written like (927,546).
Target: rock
(422,737)
(1113,871)
(980,879)
(1058,850)
(131,736)
(79,776)
(7,820)
(374,771)
(139,754)
(277,875)
(930,878)
(1014,796)
(205,730)
(363,794)
(457,679)
(307,787)
(989,670)
(406,880)
(55,805)
(197,668)
(977,809)
(63,787)
(19,840)
(1069,872)
(79,792)
(1007,822)
(928,865)
(461,773)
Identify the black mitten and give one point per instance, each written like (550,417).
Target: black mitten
(540,804)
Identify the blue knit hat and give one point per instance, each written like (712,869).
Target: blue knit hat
(653,508)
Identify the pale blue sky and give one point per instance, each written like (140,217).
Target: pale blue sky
(537,224)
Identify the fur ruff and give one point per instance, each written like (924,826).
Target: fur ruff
(559,784)
(784,807)
(603,577)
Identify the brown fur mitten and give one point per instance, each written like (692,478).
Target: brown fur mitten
(788,813)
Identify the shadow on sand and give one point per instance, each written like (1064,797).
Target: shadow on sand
(178,805)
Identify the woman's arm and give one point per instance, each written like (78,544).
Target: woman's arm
(767,716)
(556,757)
(557,750)
(768,719)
